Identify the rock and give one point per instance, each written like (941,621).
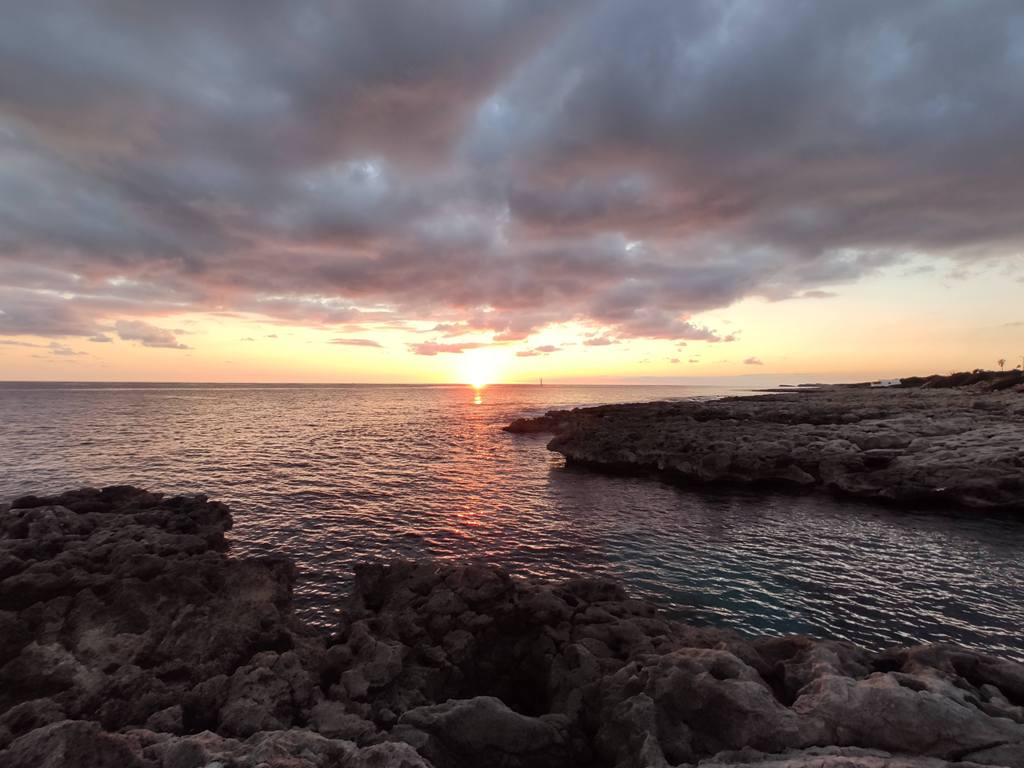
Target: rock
(898,446)
(27,716)
(121,602)
(900,714)
(138,642)
(389,755)
(375,663)
(693,703)
(483,731)
(169,720)
(551,422)
(826,757)
(1003,754)
(258,700)
(69,744)
(331,719)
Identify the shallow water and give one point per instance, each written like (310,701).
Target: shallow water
(328,475)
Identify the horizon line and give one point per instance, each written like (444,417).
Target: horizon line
(532,383)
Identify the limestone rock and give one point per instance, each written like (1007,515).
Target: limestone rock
(904,446)
(69,744)
(137,642)
(484,731)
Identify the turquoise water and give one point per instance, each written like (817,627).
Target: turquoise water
(328,475)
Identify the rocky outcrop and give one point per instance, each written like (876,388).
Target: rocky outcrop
(951,447)
(991,381)
(130,639)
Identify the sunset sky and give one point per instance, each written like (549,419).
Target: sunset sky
(593,191)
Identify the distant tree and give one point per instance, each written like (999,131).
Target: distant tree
(1002,363)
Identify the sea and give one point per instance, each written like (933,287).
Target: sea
(333,475)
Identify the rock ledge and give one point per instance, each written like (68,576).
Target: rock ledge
(129,639)
(929,447)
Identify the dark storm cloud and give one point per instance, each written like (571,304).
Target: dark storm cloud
(493,166)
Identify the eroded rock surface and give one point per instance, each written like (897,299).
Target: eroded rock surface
(131,640)
(954,446)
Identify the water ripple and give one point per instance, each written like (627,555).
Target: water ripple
(328,475)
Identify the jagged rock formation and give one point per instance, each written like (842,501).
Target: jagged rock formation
(129,639)
(953,447)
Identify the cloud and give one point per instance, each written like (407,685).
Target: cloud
(62,350)
(14,343)
(147,335)
(247,338)
(599,341)
(55,347)
(674,360)
(356,342)
(431,348)
(545,349)
(43,313)
(326,164)
(752,361)
(817,294)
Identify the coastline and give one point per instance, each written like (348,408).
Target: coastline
(954,448)
(131,638)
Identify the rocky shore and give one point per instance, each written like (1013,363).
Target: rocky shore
(952,447)
(130,639)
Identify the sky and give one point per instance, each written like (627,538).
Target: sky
(488,190)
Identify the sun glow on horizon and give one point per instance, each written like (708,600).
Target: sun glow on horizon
(905,326)
(480,367)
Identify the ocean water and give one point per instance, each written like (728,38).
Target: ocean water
(330,475)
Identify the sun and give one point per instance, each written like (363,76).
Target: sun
(477,371)
(480,368)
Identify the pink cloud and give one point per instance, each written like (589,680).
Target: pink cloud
(431,348)
(356,342)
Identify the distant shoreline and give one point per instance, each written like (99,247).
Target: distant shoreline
(965,378)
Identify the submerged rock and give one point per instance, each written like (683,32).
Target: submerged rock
(132,640)
(955,447)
